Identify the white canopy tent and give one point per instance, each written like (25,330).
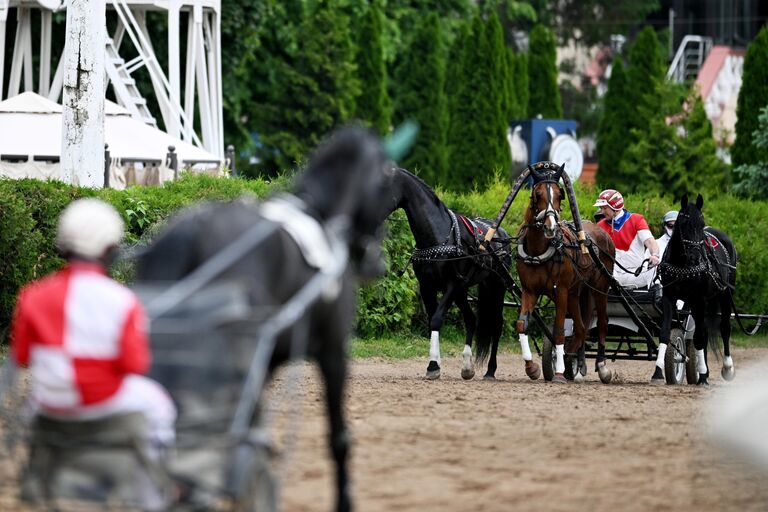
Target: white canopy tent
(30,145)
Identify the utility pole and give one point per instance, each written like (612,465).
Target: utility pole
(82,146)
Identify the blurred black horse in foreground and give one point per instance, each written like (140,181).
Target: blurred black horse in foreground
(336,202)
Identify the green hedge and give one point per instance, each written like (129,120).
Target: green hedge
(29,209)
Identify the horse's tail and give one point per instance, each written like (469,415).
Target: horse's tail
(712,317)
(490,315)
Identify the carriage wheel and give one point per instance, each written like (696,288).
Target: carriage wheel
(260,493)
(691,373)
(674,364)
(548,359)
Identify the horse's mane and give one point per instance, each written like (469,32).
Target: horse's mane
(424,186)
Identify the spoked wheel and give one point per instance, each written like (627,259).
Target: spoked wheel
(259,491)
(674,360)
(548,359)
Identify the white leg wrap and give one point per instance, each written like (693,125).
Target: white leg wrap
(525,347)
(560,362)
(660,357)
(434,347)
(728,362)
(467,357)
(701,364)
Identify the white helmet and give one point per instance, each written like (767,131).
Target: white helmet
(88,227)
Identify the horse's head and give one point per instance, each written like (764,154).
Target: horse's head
(346,180)
(689,228)
(546,197)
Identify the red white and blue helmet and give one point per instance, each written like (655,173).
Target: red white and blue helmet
(611,198)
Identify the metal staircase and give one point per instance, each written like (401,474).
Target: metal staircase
(690,56)
(124,86)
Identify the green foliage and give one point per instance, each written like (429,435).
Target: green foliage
(644,76)
(752,179)
(420,83)
(613,130)
(373,105)
(752,98)
(544,95)
(676,154)
(29,210)
(305,81)
(391,303)
(477,130)
(521,81)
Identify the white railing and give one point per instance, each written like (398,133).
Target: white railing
(690,56)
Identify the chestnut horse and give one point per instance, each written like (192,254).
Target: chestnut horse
(551,262)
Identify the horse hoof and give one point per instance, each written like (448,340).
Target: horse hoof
(533,371)
(468,373)
(658,382)
(559,378)
(433,374)
(488,376)
(728,373)
(605,374)
(579,378)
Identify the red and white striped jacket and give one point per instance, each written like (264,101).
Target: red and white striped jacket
(80,333)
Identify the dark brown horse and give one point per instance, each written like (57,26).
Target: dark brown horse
(551,262)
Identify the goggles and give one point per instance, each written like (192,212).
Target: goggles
(670,225)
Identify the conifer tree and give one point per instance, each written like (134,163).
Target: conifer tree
(752,179)
(707,173)
(613,130)
(512,98)
(544,94)
(308,83)
(373,104)
(420,85)
(520,78)
(477,132)
(644,76)
(752,97)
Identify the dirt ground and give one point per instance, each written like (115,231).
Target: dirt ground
(510,444)
(517,444)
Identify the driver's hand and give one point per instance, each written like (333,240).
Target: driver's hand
(653,261)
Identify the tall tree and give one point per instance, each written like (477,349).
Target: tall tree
(544,95)
(420,83)
(645,74)
(306,81)
(614,127)
(373,104)
(752,98)
(477,132)
(752,179)
(676,153)
(521,81)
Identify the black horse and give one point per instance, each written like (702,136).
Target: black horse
(699,268)
(448,259)
(343,185)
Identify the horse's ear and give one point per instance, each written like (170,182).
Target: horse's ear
(699,201)
(684,201)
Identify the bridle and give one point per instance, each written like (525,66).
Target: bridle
(540,215)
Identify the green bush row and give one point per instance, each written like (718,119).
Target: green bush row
(29,209)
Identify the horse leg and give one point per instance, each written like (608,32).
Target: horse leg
(576,306)
(470,324)
(435,322)
(333,365)
(700,342)
(429,297)
(728,371)
(558,331)
(667,310)
(527,303)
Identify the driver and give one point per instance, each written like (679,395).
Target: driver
(631,236)
(83,335)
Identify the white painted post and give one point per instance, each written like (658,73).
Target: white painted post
(82,147)
(3,20)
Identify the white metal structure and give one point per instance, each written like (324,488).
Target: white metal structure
(690,56)
(202,92)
